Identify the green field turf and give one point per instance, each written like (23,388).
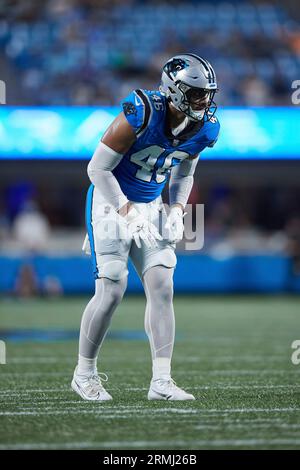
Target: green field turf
(233,353)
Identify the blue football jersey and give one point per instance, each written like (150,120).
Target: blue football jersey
(144,169)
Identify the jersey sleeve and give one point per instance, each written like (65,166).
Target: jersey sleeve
(135,107)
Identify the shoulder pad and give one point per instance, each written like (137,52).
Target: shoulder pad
(136,108)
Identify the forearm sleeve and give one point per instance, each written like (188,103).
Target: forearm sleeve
(181,182)
(100,173)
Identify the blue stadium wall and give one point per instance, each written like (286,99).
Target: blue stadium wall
(194,274)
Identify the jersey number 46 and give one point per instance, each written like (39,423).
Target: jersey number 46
(147,159)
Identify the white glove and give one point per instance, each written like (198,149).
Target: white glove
(142,229)
(174,224)
(86,247)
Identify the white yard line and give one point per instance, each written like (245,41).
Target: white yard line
(144,411)
(233,427)
(102,410)
(252,410)
(34,390)
(31,374)
(156,444)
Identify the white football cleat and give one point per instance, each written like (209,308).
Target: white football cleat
(89,387)
(166,389)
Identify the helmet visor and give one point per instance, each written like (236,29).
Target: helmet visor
(198,98)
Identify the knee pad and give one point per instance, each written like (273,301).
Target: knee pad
(114,270)
(166,258)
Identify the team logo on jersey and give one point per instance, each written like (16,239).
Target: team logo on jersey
(129,108)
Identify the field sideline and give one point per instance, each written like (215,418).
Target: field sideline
(233,353)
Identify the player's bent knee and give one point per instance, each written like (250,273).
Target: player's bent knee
(166,258)
(114,270)
(114,290)
(165,290)
(160,283)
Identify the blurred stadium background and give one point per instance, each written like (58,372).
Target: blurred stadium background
(90,54)
(66,65)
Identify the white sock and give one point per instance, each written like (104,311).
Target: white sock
(86,366)
(161,368)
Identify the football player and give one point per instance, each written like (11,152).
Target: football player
(158,136)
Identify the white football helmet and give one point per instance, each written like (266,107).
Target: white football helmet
(189,83)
